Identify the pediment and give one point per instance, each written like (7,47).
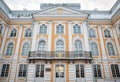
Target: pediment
(60,11)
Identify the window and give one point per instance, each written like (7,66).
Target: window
(28,33)
(80,71)
(60,45)
(94,48)
(115,71)
(25,48)
(60,29)
(78,45)
(110,48)
(107,33)
(97,71)
(42,45)
(22,70)
(43,29)
(9,49)
(5,70)
(119,30)
(92,33)
(1,27)
(40,71)
(76,29)
(13,33)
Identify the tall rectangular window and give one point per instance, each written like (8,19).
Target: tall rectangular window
(115,71)
(22,70)
(40,71)
(5,70)
(1,27)
(80,71)
(97,71)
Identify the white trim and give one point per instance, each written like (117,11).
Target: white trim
(96,34)
(113,47)
(9,32)
(109,29)
(70,35)
(94,41)
(80,39)
(60,38)
(10,41)
(50,35)
(25,32)
(64,28)
(40,39)
(60,63)
(43,22)
(81,29)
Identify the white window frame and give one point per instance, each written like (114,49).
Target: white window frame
(42,49)
(78,49)
(22,70)
(77,29)
(7,48)
(5,70)
(28,33)
(110,50)
(43,28)
(97,71)
(25,49)
(1,29)
(64,29)
(94,49)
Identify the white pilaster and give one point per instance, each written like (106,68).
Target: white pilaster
(116,41)
(86,42)
(70,35)
(31,73)
(13,72)
(107,71)
(48,73)
(71,72)
(49,35)
(3,42)
(104,56)
(18,42)
(34,34)
(88,73)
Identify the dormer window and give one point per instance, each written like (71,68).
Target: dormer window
(60,29)
(107,33)
(1,27)
(13,33)
(43,29)
(76,29)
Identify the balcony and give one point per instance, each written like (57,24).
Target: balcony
(71,55)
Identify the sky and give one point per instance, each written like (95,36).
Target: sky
(85,4)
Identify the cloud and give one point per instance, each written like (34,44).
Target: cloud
(85,4)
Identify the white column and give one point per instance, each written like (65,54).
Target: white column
(31,73)
(116,41)
(86,42)
(3,42)
(49,35)
(104,56)
(18,42)
(88,73)
(70,35)
(34,34)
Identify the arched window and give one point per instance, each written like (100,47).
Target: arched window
(92,33)
(60,45)
(115,70)
(43,29)
(1,27)
(78,45)
(76,29)
(13,33)
(107,33)
(25,48)
(42,45)
(94,48)
(60,29)
(110,48)
(28,33)
(9,49)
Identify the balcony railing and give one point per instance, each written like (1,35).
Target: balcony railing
(59,55)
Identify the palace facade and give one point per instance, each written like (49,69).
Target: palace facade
(59,43)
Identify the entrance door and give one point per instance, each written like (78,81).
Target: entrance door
(59,73)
